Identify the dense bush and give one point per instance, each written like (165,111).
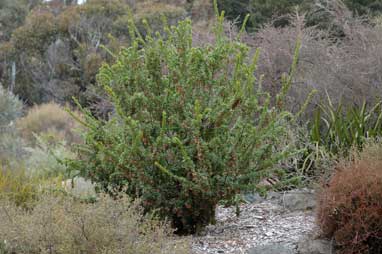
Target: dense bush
(62,225)
(36,34)
(362,7)
(49,120)
(192,126)
(350,205)
(12,15)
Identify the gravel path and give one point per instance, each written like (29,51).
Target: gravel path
(259,224)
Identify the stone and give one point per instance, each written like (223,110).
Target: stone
(252,198)
(79,187)
(274,196)
(273,248)
(315,246)
(299,200)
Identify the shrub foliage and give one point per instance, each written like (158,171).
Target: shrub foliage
(61,225)
(191,126)
(350,206)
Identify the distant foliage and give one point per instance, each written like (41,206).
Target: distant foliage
(12,15)
(17,187)
(51,121)
(36,34)
(10,108)
(350,205)
(362,7)
(43,159)
(62,225)
(350,73)
(277,11)
(235,10)
(192,126)
(263,12)
(57,50)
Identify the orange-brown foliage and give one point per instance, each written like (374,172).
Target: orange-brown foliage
(350,207)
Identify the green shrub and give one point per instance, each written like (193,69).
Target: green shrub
(192,126)
(62,225)
(350,204)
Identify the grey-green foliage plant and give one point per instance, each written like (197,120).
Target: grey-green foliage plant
(10,110)
(10,107)
(192,125)
(338,129)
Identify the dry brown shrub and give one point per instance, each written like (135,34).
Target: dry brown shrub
(350,206)
(59,224)
(348,69)
(49,119)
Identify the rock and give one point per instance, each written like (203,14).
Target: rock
(79,187)
(273,195)
(273,248)
(315,246)
(299,200)
(252,198)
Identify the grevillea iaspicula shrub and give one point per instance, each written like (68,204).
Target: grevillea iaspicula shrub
(350,207)
(192,125)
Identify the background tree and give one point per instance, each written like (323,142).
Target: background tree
(264,11)
(57,50)
(362,7)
